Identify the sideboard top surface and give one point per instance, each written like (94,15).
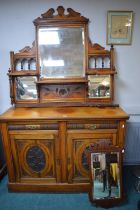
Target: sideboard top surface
(63,113)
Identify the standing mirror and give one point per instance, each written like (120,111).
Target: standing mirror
(105,177)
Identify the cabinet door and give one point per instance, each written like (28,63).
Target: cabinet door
(79,144)
(35,156)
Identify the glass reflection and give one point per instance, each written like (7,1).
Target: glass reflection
(99,86)
(26,88)
(105,175)
(61,52)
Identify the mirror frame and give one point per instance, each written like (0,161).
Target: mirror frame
(62,20)
(106,203)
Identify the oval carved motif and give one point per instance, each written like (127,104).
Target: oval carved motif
(35,158)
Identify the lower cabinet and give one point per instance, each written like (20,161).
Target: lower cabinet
(47,149)
(55,157)
(35,156)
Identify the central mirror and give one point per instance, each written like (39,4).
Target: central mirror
(61,52)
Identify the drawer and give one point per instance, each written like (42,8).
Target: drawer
(49,126)
(93,125)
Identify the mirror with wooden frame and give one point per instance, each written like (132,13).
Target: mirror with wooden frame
(62,67)
(61,51)
(106,176)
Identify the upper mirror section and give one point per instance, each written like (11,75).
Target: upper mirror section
(62,39)
(61,52)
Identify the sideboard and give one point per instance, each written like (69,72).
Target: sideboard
(46,147)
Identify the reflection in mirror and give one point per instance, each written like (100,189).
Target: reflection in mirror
(99,86)
(105,175)
(61,52)
(26,88)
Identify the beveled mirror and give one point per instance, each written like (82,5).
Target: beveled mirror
(99,86)
(26,88)
(61,52)
(105,176)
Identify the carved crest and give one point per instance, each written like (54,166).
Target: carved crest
(61,14)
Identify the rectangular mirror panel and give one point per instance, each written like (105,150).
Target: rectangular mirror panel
(26,88)
(105,175)
(61,52)
(99,86)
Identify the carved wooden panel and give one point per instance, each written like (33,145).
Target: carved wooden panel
(80,143)
(64,92)
(34,156)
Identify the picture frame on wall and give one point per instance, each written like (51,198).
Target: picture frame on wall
(119,27)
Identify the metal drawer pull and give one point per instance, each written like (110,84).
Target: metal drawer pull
(92,127)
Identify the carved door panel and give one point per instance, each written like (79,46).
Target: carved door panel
(79,144)
(35,156)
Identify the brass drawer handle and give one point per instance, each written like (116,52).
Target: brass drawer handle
(32,127)
(91,127)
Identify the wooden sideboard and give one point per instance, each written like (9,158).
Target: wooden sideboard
(46,148)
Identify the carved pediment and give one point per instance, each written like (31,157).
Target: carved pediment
(28,49)
(61,14)
(94,48)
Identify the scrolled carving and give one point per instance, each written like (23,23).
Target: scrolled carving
(72,14)
(49,13)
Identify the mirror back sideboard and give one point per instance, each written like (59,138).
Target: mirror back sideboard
(62,91)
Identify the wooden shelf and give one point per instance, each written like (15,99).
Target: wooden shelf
(62,80)
(101,71)
(23,73)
